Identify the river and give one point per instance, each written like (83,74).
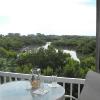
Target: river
(72,53)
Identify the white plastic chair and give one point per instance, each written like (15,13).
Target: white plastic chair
(91,89)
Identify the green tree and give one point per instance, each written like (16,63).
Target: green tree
(72,68)
(48,71)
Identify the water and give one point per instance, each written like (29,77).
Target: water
(71,52)
(46,45)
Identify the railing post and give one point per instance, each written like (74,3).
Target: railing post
(64,88)
(4,79)
(78,90)
(64,85)
(0,79)
(10,79)
(15,78)
(71,90)
(22,79)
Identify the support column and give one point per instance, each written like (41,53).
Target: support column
(98,36)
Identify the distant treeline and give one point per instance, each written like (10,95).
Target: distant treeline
(50,61)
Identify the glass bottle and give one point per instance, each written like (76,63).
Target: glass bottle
(35,81)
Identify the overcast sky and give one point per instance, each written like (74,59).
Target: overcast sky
(58,17)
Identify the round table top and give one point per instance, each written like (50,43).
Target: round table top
(21,90)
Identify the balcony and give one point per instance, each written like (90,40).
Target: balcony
(70,84)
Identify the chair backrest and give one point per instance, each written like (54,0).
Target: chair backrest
(91,89)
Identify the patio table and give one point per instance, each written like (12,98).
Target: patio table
(21,90)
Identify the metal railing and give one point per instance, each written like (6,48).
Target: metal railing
(72,86)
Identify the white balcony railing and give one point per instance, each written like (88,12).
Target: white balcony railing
(70,84)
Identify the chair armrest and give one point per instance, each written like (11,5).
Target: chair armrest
(69,96)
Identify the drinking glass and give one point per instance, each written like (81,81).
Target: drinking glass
(41,82)
(54,80)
